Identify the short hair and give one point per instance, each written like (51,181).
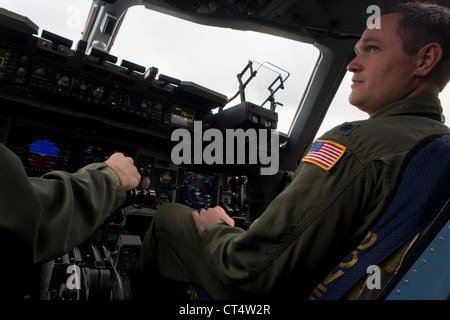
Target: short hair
(423,23)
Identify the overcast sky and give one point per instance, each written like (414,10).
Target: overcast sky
(211,57)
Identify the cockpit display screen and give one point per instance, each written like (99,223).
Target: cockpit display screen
(182,117)
(4,57)
(95,152)
(197,190)
(41,151)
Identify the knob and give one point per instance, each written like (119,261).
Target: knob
(21,73)
(83,86)
(41,72)
(144,105)
(64,82)
(24,61)
(98,92)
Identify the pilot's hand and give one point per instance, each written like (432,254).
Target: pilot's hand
(127,172)
(204,218)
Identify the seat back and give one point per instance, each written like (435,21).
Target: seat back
(425,272)
(422,193)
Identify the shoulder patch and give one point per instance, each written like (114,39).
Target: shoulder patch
(325,154)
(346,128)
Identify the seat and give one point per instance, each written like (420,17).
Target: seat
(425,272)
(421,196)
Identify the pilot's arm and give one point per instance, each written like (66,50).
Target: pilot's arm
(43,218)
(300,237)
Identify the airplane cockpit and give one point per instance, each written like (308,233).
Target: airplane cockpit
(68,103)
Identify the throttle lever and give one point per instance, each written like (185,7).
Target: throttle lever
(140,197)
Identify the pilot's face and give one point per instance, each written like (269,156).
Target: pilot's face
(383,72)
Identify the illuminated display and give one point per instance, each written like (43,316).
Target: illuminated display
(4,57)
(197,190)
(43,154)
(95,152)
(182,116)
(40,151)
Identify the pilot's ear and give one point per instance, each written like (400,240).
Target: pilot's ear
(427,58)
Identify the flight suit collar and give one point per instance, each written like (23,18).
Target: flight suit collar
(426,106)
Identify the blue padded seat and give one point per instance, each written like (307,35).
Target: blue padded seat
(422,192)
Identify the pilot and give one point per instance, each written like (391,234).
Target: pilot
(44,218)
(329,207)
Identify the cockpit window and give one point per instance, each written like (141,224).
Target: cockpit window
(212,57)
(208,56)
(340,109)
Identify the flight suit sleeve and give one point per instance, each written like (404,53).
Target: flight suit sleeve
(43,218)
(314,223)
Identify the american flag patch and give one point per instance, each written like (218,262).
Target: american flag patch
(325,154)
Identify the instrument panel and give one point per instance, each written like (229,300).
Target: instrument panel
(66,108)
(197,189)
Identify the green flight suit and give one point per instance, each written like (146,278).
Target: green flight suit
(311,226)
(44,218)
